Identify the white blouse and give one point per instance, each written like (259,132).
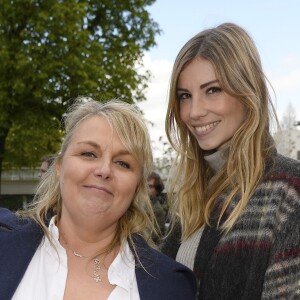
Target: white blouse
(45,277)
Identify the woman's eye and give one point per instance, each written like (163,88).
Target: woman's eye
(214,90)
(123,164)
(88,154)
(183,96)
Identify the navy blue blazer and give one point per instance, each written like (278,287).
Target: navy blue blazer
(163,278)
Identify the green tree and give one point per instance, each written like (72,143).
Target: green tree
(54,50)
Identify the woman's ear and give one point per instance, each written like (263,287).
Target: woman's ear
(57,167)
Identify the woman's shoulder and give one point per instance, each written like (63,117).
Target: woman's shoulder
(7,217)
(5,212)
(156,262)
(287,162)
(283,167)
(10,220)
(149,253)
(159,272)
(282,186)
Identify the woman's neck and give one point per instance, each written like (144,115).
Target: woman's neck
(84,241)
(217,159)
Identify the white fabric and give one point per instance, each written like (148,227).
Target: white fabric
(187,251)
(217,159)
(45,277)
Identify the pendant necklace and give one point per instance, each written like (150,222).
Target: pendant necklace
(96,267)
(96,262)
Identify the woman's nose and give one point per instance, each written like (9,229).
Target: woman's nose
(197,108)
(103,169)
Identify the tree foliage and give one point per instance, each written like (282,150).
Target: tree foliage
(54,50)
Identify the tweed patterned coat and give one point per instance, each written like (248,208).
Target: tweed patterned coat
(259,258)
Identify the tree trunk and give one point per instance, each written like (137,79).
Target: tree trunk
(3,136)
(0,177)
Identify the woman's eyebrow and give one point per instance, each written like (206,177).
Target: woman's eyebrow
(202,86)
(91,143)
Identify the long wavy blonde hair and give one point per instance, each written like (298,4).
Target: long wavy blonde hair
(127,121)
(238,68)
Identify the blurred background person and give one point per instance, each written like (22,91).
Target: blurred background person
(156,186)
(46,162)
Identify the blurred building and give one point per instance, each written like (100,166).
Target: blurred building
(288,142)
(18,187)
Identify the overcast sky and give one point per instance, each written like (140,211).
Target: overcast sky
(273,24)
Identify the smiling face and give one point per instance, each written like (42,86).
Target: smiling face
(98,177)
(211,115)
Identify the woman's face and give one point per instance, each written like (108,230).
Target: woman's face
(98,177)
(210,114)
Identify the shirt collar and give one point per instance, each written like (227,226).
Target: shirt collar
(122,270)
(58,251)
(53,229)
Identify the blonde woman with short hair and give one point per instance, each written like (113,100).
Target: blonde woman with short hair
(86,234)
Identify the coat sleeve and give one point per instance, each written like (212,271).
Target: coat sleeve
(282,277)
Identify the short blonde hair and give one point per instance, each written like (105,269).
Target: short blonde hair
(128,123)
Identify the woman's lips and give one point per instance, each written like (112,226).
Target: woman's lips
(205,128)
(99,188)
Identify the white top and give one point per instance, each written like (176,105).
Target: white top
(187,251)
(45,277)
(188,248)
(217,159)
